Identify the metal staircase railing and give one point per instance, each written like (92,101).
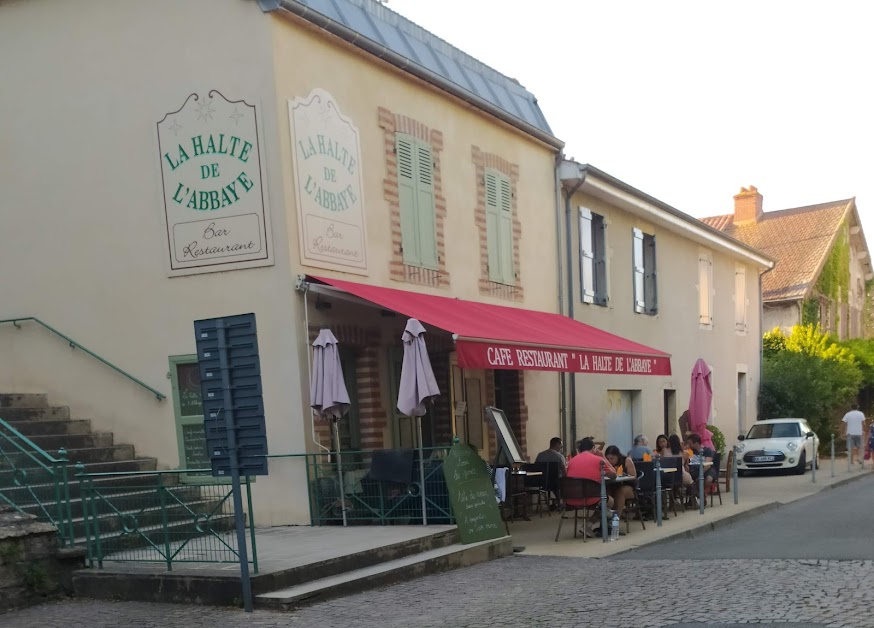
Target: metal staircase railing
(76,345)
(34,482)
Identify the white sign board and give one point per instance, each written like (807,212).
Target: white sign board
(329,185)
(214,200)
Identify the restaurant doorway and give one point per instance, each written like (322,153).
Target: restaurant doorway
(469,388)
(670,412)
(621,421)
(741,403)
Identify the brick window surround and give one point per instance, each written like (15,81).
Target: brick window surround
(372,418)
(481,162)
(391,124)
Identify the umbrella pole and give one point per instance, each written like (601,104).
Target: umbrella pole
(422,467)
(336,426)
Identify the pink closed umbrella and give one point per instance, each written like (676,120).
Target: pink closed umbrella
(417,386)
(328,395)
(699,402)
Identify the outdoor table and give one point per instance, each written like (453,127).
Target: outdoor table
(621,479)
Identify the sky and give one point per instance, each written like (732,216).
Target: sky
(689,101)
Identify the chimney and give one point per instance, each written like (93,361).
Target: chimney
(747,205)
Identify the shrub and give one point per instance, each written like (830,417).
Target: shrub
(718,439)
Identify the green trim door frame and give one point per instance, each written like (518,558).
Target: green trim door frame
(188,413)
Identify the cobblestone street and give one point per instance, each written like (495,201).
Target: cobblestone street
(542,591)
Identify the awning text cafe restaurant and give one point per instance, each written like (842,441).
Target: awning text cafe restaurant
(482,355)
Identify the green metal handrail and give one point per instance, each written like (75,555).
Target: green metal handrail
(38,481)
(76,345)
(135,523)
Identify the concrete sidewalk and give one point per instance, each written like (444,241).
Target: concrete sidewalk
(756,494)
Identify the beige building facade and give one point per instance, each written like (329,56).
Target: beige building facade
(638,267)
(219,157)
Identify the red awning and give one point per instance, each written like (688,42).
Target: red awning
(499,337)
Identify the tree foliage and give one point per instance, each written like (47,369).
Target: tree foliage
(808,375)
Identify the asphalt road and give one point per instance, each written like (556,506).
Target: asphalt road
(836,524)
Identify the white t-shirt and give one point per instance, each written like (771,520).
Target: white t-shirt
(854,420)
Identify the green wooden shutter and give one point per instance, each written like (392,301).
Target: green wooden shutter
(407,199)
(425,206)
(587,257)
(637,253)
(508,271)
(493,229)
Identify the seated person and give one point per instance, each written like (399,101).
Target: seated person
(640,450)
(553,455)
(587,465)
(677,450)
(662,446)
(624,466)
(701,454)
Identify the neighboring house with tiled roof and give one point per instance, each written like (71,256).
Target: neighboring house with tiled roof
(822,258)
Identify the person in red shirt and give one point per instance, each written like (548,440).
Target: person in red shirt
(587,465)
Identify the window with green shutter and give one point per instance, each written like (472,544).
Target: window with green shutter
(416,200)
(593,257)
(499,228)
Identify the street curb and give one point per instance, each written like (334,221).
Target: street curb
(704,528)
(710,526)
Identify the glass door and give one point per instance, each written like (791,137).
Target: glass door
(188,411)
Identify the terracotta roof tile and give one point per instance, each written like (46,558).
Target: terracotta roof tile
(798,238)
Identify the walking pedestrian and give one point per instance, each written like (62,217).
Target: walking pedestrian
(854,428)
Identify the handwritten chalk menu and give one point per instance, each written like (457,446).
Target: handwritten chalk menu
(472,495)
(194,440)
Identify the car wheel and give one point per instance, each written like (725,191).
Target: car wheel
(802,464)
(816,462)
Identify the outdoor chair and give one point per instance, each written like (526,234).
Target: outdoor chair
(672,481)
(715,487)
(583,491)
(535,486)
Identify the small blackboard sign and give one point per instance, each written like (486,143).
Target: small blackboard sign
(472,495)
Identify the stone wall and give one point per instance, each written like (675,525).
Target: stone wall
(32,567)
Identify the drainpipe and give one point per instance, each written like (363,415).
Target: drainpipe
(570,294)
(761,348)
(562,386)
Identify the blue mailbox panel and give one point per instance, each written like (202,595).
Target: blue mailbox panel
(243,380)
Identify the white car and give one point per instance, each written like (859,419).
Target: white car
(778,444)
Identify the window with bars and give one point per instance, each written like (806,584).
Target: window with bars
(593,257)
(645,284)
(416,200)
(499,228)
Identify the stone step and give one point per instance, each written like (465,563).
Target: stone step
(52,427)
(401,569)
(87,455)
(110,485)
(51,443)
(17,400)
(284,563)
(53,413)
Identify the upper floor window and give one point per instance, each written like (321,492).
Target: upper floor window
(705,290)
(644,260)
(416,201)
(740,299)
(499,227)
(593,257)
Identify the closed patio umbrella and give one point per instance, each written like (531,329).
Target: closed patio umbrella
(417,386)
(699,402)
(328,394)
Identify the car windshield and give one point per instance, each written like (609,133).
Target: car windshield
(775,430)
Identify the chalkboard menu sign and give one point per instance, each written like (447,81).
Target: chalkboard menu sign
(472,495)
(194,441)
(190,401)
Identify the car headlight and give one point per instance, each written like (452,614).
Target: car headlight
(740,447)
(792,446)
